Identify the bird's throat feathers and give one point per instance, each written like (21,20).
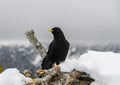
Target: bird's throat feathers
(59,37)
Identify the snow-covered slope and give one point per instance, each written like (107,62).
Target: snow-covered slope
(12,76)
(104,67)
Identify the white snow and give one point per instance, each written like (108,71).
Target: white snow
(12,76)
(36,60)
(104,67)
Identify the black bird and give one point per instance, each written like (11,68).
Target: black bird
(58,49)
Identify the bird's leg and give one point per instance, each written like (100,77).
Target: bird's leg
(40,72)
(57,67)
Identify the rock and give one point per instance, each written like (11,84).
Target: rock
(63,78)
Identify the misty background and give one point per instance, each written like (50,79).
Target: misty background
(87,25)
(81,20)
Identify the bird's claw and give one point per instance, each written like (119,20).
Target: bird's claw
(57,67)
(40,72)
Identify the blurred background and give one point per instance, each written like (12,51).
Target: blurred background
(87,25)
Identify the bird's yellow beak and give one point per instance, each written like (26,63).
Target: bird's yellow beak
(50,30)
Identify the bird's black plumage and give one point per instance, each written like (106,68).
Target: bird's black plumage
(57,51)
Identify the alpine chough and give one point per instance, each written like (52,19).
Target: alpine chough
(57,50)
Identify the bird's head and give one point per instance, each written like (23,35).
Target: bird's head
(57,32)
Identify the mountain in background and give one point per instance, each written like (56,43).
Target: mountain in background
(27,57)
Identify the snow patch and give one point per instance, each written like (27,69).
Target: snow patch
(37,60)
(104,67)
(12,76)
(13,56)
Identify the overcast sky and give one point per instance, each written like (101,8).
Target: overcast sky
(81,20)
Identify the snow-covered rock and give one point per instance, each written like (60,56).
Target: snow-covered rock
(104,67)
(12,76)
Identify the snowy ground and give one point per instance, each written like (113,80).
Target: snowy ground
(12,76)
(104,67)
